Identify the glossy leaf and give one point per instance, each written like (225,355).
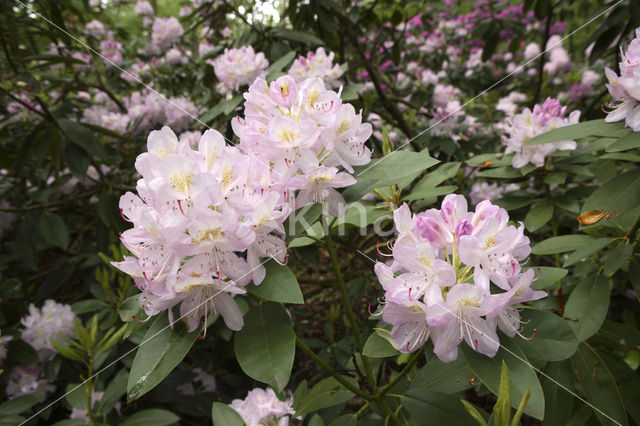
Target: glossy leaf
(151,417)
(619,194)
(439,408)
(378,347)
(554,339)
(161,350)
(561,244)
(223,415)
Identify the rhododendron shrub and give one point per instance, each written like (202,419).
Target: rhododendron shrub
(325,212)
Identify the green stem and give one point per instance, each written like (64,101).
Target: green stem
(382,404)
(407,368)
(326,367)
(554,229)
(346,301)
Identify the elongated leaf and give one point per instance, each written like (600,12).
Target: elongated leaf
(599,386)
(265,347)
(628,383)
(279,285)
(549,276)
(54,230)
(502,407)
(439,408)
(299,37)
(554,338)
(584,252)
(522,373)
(114,391)
(629,141)
(619,194)
(161,351)
(538,216)
(223,415)
(557,379)
(83,137)
(20,404)
(443,377)
(561,244)
(326,393)
(587,306)
(151,417)
(278,65)
(576,131)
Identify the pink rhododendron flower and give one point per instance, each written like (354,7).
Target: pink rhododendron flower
(262,407)
(437,284)
(625,88)
(316,64)
(239,67)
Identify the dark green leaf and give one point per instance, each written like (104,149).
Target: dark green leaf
(326,393)
(599,386)
(629,141)
(617,258)
(378,347)
(54,230)
(279,285)
(554,338)
(587,306)
(548,277)
(561,244)
(151,417)
(538,216)
(299,37)
(619,194)
(439,408)
(161,350)
(576,131)
(265,347)
(586,251)
(83,137)
(438,376)
(524,376)
(20,404)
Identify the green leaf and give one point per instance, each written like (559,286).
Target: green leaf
(326,393)
(151,417)
(265,347)
(439,408)
(587,306)
(279,64)
(387,171)
(83,137)
(67,352)
(225,106)
(298,36)
(279,285)
(619,194)
(129,307)
(576,131)
(500,172)
(430,193)
(524,376)
(77,159)
(114,391)
(583,253)
(628,383)
(599,386)
(161,350)
(54,230)
(436,177)
(561,244)
(521,407)
(362,213)
(473,412)
(549,276)
(351,91)
(443,377)
(557,378)
(20,404)
(628,141)
(502,407)
(554,338)
(617,258)
(12,420)
(223,415)
(378,347)
(538,216)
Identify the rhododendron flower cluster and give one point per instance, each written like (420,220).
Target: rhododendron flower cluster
(164,33)
(48,323)
(524,126)
(239,67)
(26,380)
(204,217)
(625,88)
(317,64)
(489,191)
(262,407)
(306,131)
(438,283)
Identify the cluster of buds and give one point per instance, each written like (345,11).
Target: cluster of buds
(438,284)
